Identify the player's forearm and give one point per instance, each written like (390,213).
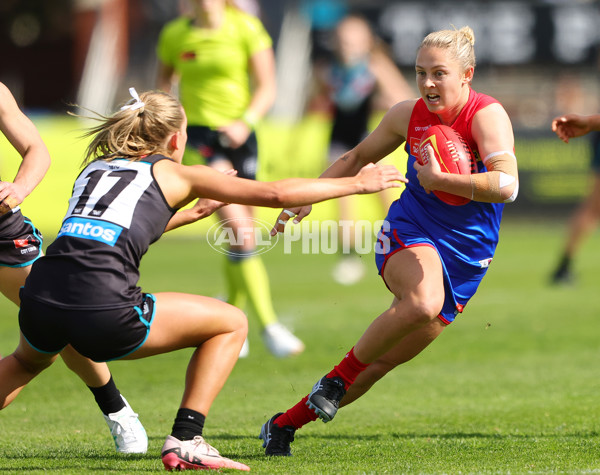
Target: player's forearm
(494,187)
(179,219)
(294,192)
(594,122)
(203,208)
(185,217)
(347,165)
(36,162)
(459,185)
(500,184)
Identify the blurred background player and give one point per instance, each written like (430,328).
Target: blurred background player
(586,216)
(221,59)
(433,255)
(84,292)
(358,81)
(21,246)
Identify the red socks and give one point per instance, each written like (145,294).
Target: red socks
(348,369)
(297,415)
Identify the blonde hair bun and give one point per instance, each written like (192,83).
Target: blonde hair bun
(458,42)
(468,32)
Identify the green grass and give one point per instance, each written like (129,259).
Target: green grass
(511,387)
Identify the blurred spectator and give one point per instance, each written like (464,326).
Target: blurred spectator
(358,81)
(587,215)
(323,16)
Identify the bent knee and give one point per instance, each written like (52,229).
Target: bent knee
(424,311)
(238,321)
(33,367)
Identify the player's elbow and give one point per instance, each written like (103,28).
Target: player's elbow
(510,190)
(276,197)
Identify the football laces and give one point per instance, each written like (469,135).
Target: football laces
(452,149)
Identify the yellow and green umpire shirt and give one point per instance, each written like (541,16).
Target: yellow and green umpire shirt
(212,65)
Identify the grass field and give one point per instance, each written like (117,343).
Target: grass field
(511,387)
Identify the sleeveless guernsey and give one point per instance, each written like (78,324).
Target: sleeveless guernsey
(464,236)
(116,211)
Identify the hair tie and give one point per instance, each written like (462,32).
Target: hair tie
(135,103)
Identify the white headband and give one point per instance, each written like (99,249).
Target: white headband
(135,103)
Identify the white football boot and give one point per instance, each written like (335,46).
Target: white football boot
(280,341)
(127,430)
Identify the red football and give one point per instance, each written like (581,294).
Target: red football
(452,153)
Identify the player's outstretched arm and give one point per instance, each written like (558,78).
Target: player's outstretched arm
(203,208)
(387,137)
(24,137)
(375,178)
(181,185)
(293,192)
(574,125)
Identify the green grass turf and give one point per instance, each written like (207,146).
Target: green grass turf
(511,387)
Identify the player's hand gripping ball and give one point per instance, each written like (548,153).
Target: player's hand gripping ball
(7,204)
(452,153)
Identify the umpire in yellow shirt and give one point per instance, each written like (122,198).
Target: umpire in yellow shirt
(222,61)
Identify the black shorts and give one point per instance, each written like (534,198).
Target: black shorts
(101,335)
(208,143)
(350,127)
(20,241)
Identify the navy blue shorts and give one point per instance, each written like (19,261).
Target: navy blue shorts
(461,278)
(20,241)
(101,335)
(208,143)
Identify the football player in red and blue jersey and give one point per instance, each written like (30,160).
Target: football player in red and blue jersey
(431,255)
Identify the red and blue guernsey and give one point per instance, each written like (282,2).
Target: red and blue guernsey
(464,236)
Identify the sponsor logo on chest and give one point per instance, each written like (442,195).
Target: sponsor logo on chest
(92,229)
